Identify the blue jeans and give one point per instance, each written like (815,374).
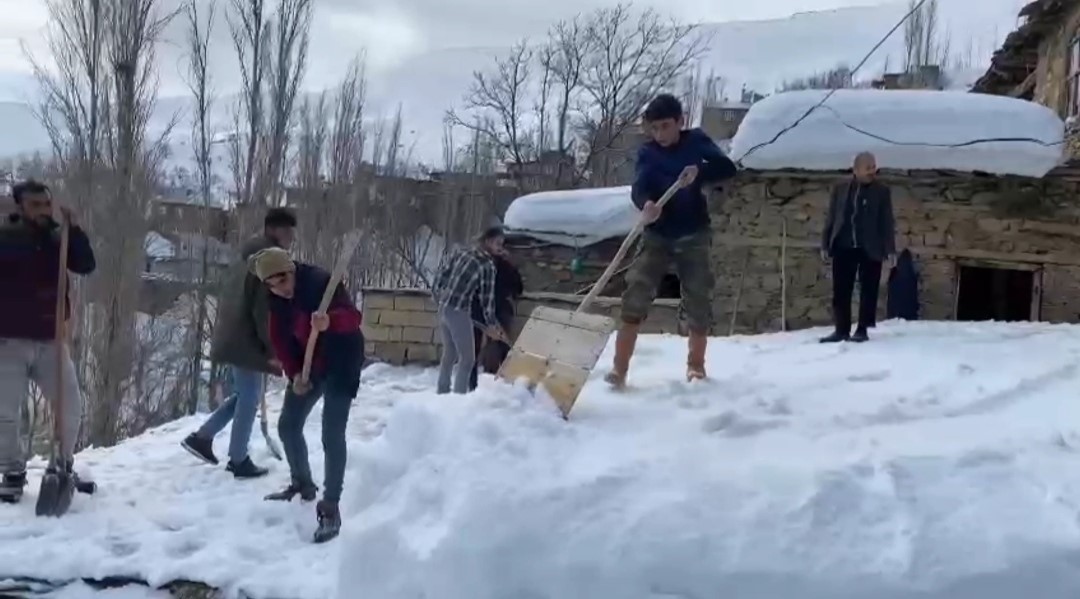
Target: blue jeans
(246,391)
(335,416)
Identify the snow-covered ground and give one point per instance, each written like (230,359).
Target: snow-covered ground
(939,460)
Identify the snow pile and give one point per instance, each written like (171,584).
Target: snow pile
(905,129)
(938,461)
(575,217)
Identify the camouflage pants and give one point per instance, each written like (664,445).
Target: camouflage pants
(691,258)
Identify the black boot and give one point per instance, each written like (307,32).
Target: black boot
(860,336)
(56,491)
(835,337)
(306,493)
(200,448)
(246,469)
(329,518)
(11,487)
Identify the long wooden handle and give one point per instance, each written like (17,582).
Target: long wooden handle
(623,249)
(61,339)
(347,249)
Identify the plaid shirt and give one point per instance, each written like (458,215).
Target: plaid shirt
(467,273)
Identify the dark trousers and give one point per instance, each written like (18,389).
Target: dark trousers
(846,264)
(335,416)
(489,357)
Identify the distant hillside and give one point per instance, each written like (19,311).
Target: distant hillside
(759,54)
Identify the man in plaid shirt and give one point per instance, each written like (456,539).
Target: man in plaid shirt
(465,274)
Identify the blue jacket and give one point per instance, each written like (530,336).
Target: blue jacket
(658,167)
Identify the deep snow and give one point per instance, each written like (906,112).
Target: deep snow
(940,457)
(906,129)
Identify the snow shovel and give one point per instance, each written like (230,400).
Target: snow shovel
(264,425)
(348,246)
(58,485)
(557,349)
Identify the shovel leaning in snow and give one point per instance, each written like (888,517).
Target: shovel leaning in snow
(264,424)
(557,349)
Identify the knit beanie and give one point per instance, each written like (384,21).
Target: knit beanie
(269,262)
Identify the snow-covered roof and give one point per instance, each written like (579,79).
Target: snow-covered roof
(157,246)
(905,129)
(574,217)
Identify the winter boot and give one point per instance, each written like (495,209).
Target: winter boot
(695,356)
(306,492)
(329,518)
(860,336)
(625,340)
(835,337)
(200,448)
(246,469)
(56,491)
(11,487)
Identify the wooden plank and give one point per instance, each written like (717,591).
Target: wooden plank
(581,320)
(563,382)
(999,264)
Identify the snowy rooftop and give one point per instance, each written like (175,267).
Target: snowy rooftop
(905,129)
(931,463)
(573,217)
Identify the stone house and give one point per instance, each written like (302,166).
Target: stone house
(1040,61)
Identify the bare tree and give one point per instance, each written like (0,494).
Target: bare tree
(498,103)
(290,29)
(568,45)
(251,40)
(924,43)
(631,59)
(839,77)
(199,29)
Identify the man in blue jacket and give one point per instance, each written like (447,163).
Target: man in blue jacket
(678,233)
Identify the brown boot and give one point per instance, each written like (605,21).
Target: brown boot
(695,358)
(625,340)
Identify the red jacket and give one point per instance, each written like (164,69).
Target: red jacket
(339,351)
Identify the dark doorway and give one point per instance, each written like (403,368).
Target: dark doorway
(1001,294)
(670,287)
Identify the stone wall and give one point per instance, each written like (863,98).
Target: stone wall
(400,324)
(546,267)
(946,220)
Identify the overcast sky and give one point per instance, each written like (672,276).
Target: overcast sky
(391,30)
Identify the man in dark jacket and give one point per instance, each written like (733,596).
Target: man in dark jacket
(859,234)
(508,287)
(679,233)
(29,277)
(242,343)
(296,291)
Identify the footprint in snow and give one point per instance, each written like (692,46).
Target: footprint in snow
(870,377)
(731,424)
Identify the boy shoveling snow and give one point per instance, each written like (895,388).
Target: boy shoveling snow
(296,290)
(676,233)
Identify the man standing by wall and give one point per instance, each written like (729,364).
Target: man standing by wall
(859,234)
(29,274)
(242,343)
(466,274)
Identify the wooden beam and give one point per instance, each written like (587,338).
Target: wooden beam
(1025,86)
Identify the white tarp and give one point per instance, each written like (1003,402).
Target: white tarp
(574,217)
(905,129)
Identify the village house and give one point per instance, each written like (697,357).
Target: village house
(987,245)
(1040,62)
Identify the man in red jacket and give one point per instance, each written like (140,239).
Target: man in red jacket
(296,290)
(29,273)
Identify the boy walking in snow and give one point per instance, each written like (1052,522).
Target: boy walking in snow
(468,274)
(859,234)
(29,276)
(295,292)
(242,343)
(677,234)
